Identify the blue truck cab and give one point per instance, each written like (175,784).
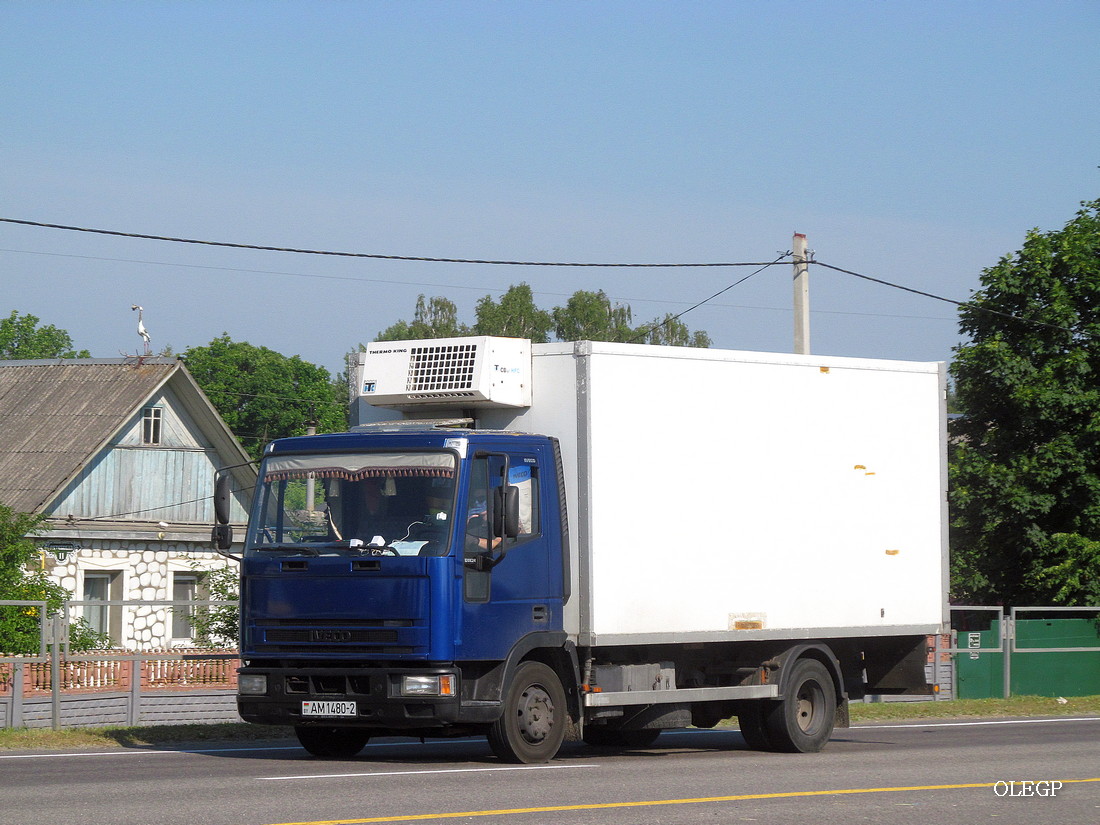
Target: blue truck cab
(393,580)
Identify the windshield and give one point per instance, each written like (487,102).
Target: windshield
(358,502)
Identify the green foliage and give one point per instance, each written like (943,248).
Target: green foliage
(590,316)
(1025,460)
(263,395)
(515,316)
(586,316)
(672,332)
(20,626)
(434,318)
(21,338)
(1075,578)
(218,625)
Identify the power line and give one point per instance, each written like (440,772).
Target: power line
(967,304)
(373,255)
(645,331)
(437,285)
(501,262)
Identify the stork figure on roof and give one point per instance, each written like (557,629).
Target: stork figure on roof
(141,329)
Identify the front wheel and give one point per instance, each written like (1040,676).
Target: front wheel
(332,743)
(532,727)
(803,720)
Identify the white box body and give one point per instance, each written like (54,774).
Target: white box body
(722,495)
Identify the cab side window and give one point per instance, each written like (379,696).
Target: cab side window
(524,477)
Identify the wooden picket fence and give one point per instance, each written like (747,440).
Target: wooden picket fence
(171,669)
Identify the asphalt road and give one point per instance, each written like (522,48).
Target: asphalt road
(938,773)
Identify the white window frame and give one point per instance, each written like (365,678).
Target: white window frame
(152,426)
(181,616)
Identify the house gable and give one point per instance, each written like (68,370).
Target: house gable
(148,473)
(73,436)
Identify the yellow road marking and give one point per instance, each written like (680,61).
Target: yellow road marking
(649,803)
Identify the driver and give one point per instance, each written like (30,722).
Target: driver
(477,524)
(371,516)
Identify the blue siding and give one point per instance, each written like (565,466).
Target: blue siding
(170,482)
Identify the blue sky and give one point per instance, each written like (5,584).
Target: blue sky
(913,142)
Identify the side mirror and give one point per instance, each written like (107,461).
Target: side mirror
(506,512)
(222,536)
(223,498)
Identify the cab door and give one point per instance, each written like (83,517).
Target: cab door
(508,589)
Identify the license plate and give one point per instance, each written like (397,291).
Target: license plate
(329,709)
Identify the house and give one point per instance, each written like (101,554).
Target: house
(120,455)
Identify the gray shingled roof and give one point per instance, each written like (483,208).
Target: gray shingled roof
(56,415)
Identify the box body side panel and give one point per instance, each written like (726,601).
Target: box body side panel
(730,496)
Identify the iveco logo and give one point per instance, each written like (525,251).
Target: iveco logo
(330,635)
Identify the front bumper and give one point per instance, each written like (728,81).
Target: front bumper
(376,692)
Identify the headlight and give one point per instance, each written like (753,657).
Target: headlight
(428,685)
(252,684)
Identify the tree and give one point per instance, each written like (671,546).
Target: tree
(19,581)
(515,316)
(1025,462)
(435,318)
(673,332)
(586,315)
(262,394)
(590,316)
(21,338)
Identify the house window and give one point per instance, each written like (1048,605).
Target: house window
(103,618)
(185,588)
(150,425)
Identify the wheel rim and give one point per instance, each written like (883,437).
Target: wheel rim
(536,714)
(808,710)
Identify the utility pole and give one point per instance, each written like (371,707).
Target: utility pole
(311,483)
(801,296)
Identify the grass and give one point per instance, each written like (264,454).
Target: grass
(137,737)
(1013,706)
(229,733)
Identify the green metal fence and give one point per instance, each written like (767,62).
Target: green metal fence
(1051,651)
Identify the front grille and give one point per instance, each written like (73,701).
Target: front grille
(335,685)
(335,622)
(329,636)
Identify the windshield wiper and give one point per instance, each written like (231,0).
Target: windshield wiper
(308,549)
(312,548)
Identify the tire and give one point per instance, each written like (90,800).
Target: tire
(803,720)
(532,727)
(332,743)
(753,730)
(602,737)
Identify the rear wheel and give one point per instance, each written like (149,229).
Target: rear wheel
(332,743)
(750,720)
(803,721)
(532,726)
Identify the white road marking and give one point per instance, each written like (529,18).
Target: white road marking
(422,773)
(164,752)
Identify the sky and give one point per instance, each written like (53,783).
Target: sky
(915,143)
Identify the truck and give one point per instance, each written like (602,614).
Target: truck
(522,540)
